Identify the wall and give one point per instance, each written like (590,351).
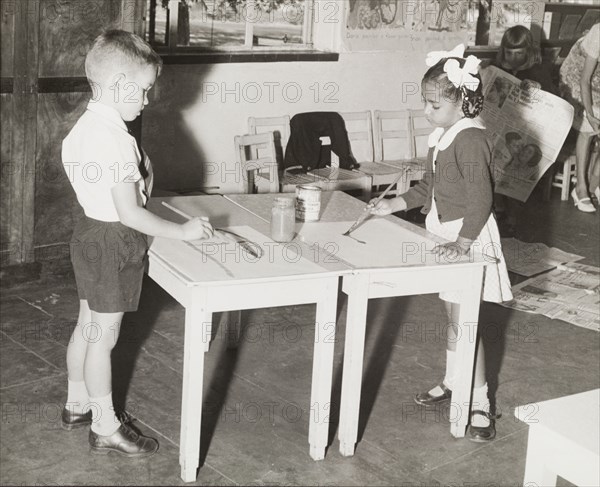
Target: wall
(189,126)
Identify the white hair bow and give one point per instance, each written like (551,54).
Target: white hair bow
(435,57)
(460,77)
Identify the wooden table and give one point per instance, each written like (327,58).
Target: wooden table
(215,277)
(395,261)
(564,439)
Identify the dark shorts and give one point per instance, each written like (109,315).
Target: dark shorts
(109,261)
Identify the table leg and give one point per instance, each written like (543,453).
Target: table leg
(354,348)
(465,354)
(197,337)
(536,466)
(231,323)
(320,397)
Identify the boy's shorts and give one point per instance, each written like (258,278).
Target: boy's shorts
(109,261)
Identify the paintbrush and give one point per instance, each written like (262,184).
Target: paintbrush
(367,209)
(252,248)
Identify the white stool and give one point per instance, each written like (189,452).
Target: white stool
(564,439)
(564,179)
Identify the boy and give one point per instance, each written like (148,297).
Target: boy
(109,243)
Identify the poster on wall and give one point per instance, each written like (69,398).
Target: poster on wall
(382,25)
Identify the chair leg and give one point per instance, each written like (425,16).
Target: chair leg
(566,179)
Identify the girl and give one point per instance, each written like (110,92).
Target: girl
(580,86)
(519,56)
(456,195)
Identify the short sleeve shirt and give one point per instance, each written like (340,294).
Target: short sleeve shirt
(570,70)
(591,42)
(97,154)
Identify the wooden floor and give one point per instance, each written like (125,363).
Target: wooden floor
(256,408)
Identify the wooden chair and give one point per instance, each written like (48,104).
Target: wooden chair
(360,133)
(396,134)
(280,127)
(256,157)
(328,179)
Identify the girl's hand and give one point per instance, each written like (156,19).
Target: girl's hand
(530,85)
(386,207)
(197,228)
(453,250)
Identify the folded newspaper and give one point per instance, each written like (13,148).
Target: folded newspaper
(527,126)
(570,293)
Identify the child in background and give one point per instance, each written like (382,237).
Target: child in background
(458,209)
(519,56)
(109,243)
(580,86)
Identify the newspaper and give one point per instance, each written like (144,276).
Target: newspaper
(570,293)
(527,126)
(528,259)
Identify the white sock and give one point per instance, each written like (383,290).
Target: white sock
(450,376)
(481,403)
(77,397)
(104,421)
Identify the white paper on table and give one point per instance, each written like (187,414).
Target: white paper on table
(386,244)
(220,258)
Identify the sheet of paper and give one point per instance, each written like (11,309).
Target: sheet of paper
(376,243)
(570,293)
(516,120)
(528,259)
(222,258)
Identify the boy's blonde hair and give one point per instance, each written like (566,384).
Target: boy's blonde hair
(117,51)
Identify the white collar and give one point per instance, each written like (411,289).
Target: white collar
(442,139)
(108,113)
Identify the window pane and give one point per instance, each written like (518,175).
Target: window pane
(222,23)
(508,14)
(156,22)
(280,23)
(215,23)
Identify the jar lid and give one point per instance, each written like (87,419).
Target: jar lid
(283,202)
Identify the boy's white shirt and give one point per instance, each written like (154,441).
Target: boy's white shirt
(97,154)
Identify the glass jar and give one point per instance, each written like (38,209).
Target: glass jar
(283,220)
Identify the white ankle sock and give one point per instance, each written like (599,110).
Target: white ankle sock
(481,403)
(450,376)
(104,421)
(77,397)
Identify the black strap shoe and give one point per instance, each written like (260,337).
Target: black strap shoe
(482,434)
(70,420)
(125,441)
(427,400)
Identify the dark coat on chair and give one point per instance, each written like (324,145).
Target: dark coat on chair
(304,146)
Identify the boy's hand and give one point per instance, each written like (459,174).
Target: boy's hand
(386,207)
(197,228)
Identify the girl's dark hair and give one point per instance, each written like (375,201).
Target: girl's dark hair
(472,100)
(519,37)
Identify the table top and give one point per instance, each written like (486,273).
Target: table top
(389,242)
(220,260)
(575,417)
